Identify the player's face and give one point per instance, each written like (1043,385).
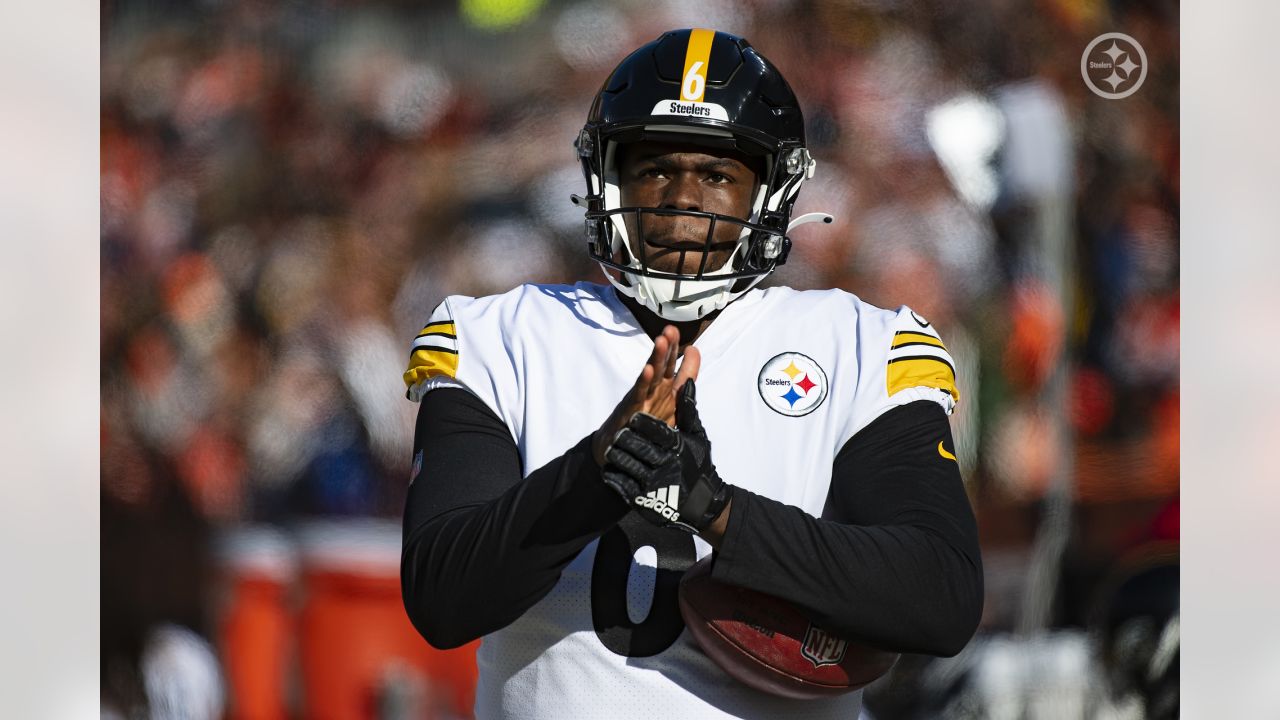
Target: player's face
(684,177)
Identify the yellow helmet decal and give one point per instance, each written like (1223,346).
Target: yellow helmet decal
(693,83)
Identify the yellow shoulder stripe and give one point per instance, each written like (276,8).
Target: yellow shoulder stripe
(428,362)
(921,370)
(903,338)
(444,327)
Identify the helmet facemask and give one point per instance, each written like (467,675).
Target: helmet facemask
(695,289)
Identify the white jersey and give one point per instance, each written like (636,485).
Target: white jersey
(787,377)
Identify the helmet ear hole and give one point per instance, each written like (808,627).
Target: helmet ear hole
(772,247)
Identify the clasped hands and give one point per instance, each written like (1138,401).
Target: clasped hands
(663,472)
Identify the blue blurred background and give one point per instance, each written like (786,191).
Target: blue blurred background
(288,189)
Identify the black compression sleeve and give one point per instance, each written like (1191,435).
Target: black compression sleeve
(895,560)
(481,544)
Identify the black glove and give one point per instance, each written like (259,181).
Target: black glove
(664,474)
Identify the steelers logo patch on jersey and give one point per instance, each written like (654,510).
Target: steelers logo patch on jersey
(792,384)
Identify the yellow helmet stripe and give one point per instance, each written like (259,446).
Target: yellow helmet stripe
(693,81)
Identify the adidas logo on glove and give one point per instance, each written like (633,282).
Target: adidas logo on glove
(664,501)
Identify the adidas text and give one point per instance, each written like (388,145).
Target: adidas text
(664,502)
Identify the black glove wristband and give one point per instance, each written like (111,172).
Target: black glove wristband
(666,474)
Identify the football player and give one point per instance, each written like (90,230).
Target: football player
(578,447)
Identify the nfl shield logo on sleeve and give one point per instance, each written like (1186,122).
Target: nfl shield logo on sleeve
(417,467)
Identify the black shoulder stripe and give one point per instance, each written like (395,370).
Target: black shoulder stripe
(924,357)
(434,348)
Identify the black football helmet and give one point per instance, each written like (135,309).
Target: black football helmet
(711,89)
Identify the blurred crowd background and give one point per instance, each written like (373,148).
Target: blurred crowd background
(288,189)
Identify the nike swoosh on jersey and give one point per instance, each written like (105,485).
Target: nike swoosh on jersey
(943,452)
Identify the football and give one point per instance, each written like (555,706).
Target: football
(769,643)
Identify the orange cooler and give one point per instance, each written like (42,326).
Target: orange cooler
(361,657)
(256,633)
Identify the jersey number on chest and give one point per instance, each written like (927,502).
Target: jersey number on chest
(676,553)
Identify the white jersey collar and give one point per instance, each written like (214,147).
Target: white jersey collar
(719,335)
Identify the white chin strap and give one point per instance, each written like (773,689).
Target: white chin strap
(682,300)
(685,300)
